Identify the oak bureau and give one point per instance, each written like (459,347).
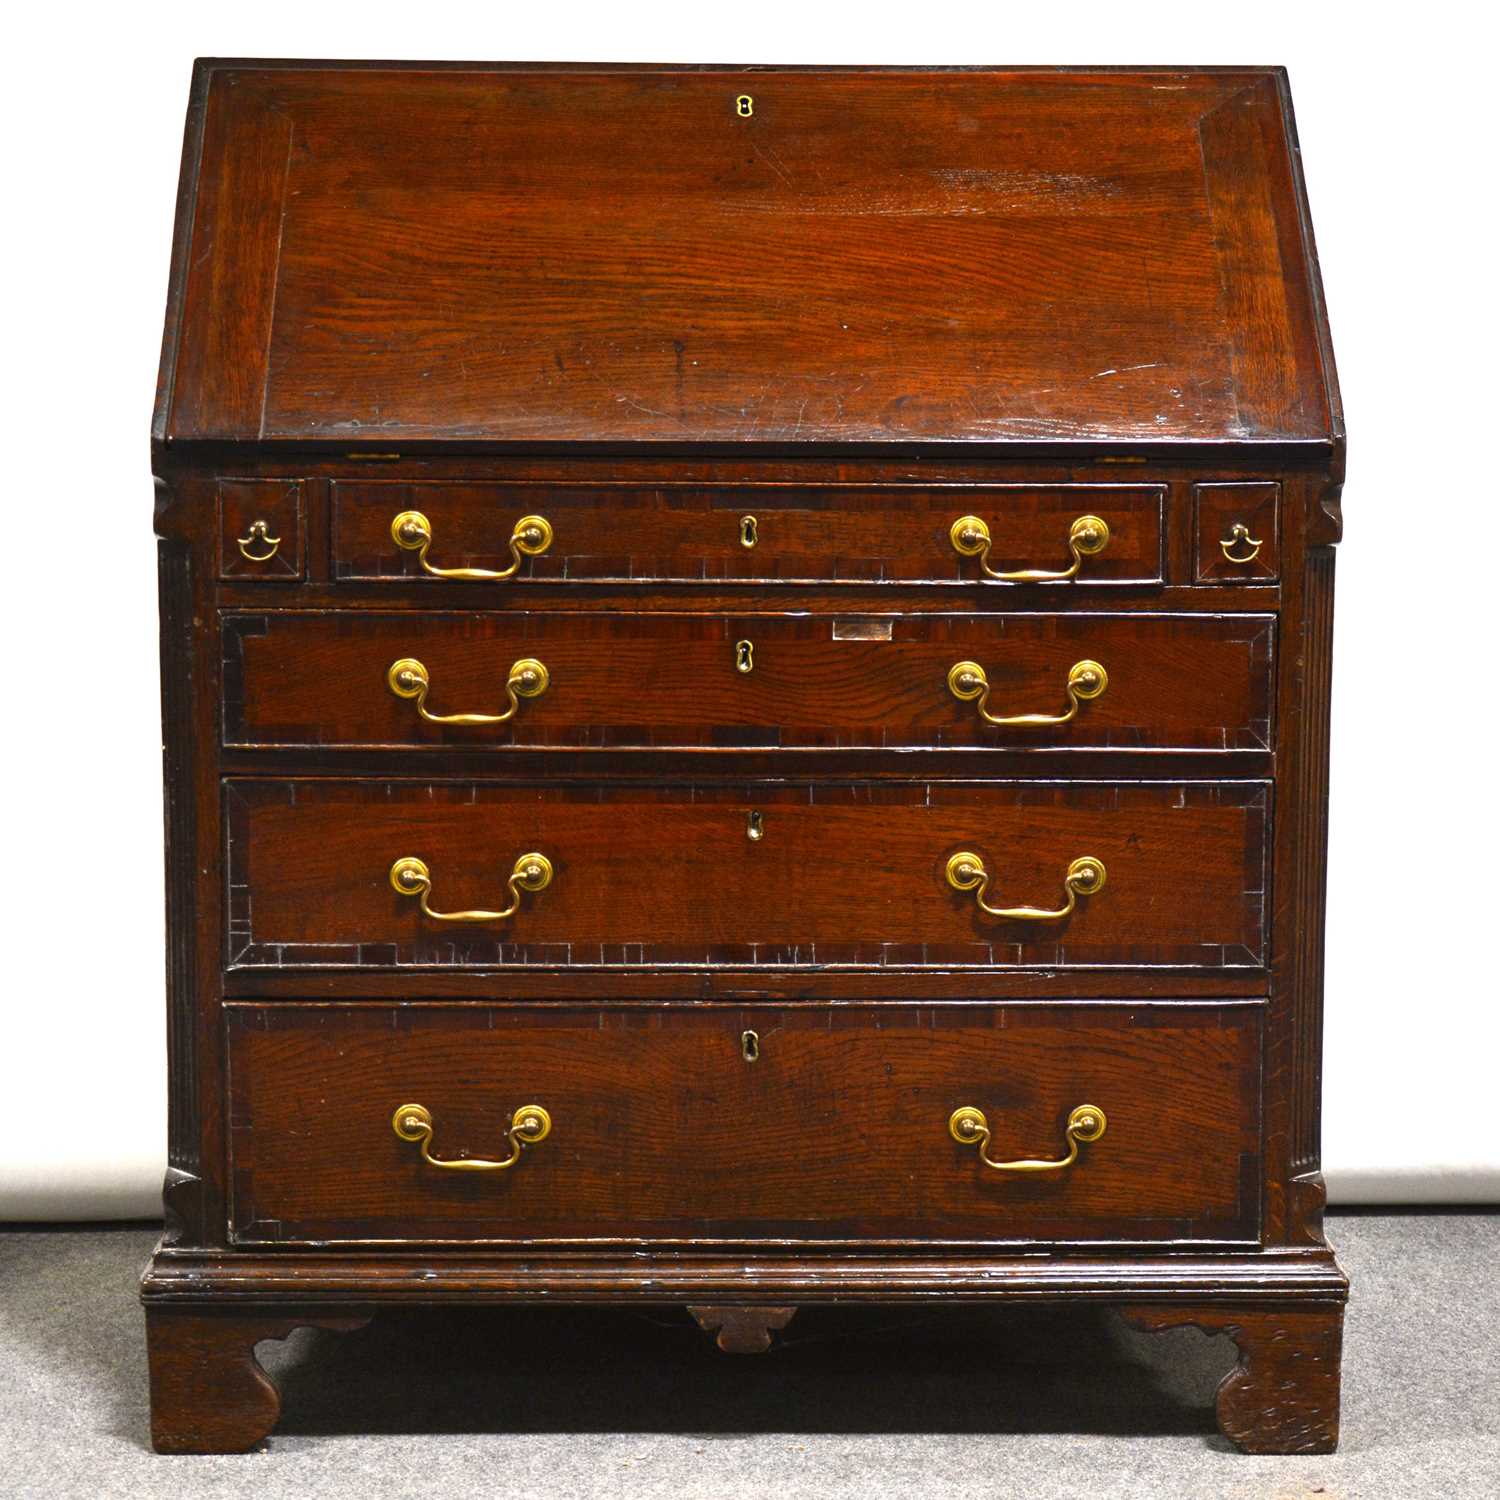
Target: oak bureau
(745,671)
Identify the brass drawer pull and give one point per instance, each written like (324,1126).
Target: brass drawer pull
(530,1124)
(1239,536)
(532,536)
(408,678)
(259,535)
(411,877)
(1086,679)
(1084,877)
(969,1127)
(1087,537)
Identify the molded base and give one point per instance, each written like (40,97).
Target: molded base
(206,1310)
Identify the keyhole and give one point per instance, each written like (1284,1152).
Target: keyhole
(749,1046)
(749,531)
(744,106)
(755,828)
(744,656)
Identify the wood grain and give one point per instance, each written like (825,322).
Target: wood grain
(1040,255)
(662,1129)
(667,680)
(845,873)
(742,1330)
(209,1393)
(601,295)
(845,534)
(1283,1395)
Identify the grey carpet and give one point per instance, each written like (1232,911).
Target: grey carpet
(961,1402)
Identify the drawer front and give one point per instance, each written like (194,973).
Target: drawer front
(769,1123)
(261,526)
(613,681)
(724,534)
(746,873)
(1237,533)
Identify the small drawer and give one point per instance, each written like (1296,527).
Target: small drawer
(568,875)
(261,528)
(1237,533)
(485,535)
(566,680)
(768,1123)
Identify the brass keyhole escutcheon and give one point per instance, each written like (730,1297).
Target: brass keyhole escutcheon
(755,828)
(258,537)
(749,531)
(749,1046)
(744,656)
(1239,537)
(744,106)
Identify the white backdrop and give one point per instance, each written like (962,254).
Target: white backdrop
(1397,133)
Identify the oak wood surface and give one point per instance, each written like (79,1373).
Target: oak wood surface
(1221,554)
(667,680)
(843,873)
(829,534)
(209,1393)
(1051,292)
(1283,1395)
(889,256)
(662,1129)
(742,1330)
(276,552)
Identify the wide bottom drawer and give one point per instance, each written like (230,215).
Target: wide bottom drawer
(350,1122)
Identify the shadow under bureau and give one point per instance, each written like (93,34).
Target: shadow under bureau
(745,664)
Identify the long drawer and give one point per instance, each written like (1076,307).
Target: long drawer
(772,1123)
(539,679)
(405,531)
(569,874)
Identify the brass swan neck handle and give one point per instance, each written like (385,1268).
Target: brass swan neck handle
(408,678)
(1084,877)
(1087,537)
(411,877)
(969,1127)
(967,681)
(412,532)
(528,1125)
